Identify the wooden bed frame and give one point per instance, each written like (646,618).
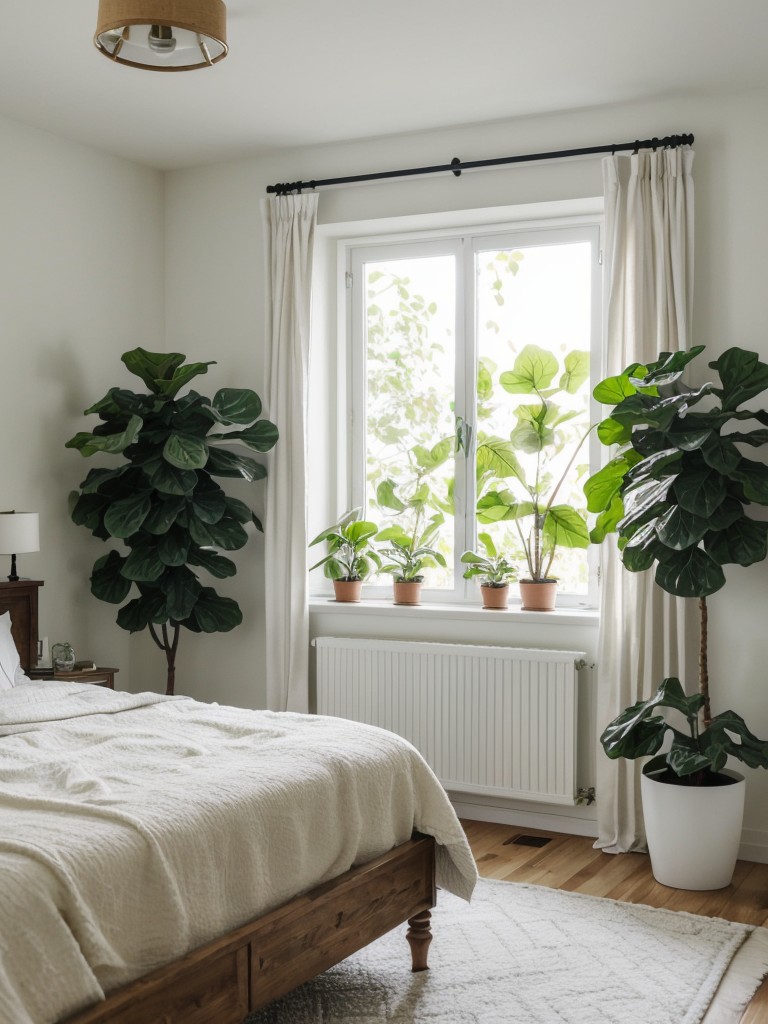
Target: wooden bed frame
(225,980)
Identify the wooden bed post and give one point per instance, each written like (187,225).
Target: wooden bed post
(419,936)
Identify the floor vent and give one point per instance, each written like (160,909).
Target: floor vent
(527,841)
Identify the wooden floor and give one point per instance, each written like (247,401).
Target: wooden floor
(571,863)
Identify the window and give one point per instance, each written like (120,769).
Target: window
(470,389)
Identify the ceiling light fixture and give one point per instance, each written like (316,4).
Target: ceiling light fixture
(162,35)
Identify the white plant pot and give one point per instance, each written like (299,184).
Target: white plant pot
(693,832)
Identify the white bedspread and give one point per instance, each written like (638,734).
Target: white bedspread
(134,828)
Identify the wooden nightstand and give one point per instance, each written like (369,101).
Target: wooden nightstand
(97,676)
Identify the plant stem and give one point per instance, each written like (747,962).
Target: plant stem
(170,647)
(703,669)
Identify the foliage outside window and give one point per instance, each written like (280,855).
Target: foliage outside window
(441,328)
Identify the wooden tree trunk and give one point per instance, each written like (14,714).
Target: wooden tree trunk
(170,646)
(703,669)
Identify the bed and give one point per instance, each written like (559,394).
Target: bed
(133,863)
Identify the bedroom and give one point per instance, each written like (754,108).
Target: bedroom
(106,250)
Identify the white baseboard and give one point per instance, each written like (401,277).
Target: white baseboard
(754,845)
(576,821)
(580,821)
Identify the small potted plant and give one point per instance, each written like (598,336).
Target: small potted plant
(677,492)
(543,431)
(495,572)
(350,557)
(410,547)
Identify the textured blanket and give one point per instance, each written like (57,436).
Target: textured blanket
(134,828)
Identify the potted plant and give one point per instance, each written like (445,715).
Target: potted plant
(163,503)
(495,572)
(677,494)
(350,558)
(410,547)
(543,435)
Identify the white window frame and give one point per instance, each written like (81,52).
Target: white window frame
(463,242)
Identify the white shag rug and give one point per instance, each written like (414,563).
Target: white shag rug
(525,954)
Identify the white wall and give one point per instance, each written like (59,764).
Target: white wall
(81,281)
(216,292)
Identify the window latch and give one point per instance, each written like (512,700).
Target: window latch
(463,436)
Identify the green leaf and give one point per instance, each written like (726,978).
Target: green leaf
(169,479)
(152,366)
(607,521)
(534,370)
(610,431)
(613,390)
(97,477)
(236,405)
(744,545)
(173,548)
(88,510)
(261,437)
(700,491)
(689,573)
(753,476)
(186,452)
(107,580)
(387,498)
(209,502)
(721,454)
(111,444)
(163,514)
(604,486)
(143,564)
(667,369)
(679,529)
(222,463)
(162,372)
(429,459)
(742,375)
(216,614)
(137,614)
(216,565)
(125,517)
(576,365)
(564,527)
(227,534)
(638,731)
(181,590)
(718,741)
(500,458)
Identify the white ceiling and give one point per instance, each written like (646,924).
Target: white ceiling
(307,71)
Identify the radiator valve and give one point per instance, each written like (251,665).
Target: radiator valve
(585,795)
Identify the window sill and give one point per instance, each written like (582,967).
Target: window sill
(464,612)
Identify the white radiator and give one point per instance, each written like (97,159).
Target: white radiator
(497,721)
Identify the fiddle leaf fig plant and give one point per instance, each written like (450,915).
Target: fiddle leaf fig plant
(677,492)
(162,504)
(493,568)
(350,556)
(523,491)
(409,551)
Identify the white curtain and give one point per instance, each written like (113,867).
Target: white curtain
(292,221)
(645,634)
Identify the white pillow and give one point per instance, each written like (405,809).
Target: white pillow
(11,671)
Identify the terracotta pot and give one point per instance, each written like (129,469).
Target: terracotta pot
(495,597)
(406,592)
(347,591)
(538,595)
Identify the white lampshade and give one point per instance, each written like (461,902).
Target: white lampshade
(19,532)
(162,35)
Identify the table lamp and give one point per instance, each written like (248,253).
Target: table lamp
(19,531)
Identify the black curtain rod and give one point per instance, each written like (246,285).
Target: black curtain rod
(456,166)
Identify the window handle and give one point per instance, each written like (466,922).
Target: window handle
(463,436)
